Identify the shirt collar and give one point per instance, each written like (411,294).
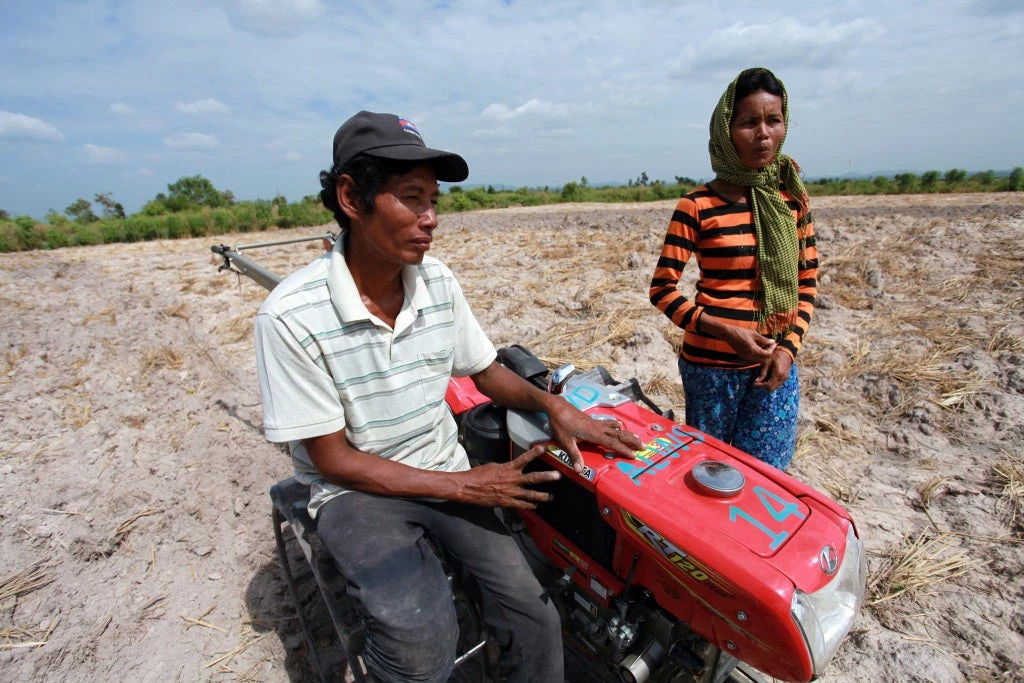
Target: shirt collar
(349,303)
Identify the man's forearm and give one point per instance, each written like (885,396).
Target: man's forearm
(493,484)
(341,464)
(509,389)
(568,425)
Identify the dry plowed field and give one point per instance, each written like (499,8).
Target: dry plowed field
(135,536)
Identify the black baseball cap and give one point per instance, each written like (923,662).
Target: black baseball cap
(392,137)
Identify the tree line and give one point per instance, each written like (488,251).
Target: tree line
(194,207)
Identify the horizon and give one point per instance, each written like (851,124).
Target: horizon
(248,94)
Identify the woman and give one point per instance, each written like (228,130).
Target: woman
(751,232)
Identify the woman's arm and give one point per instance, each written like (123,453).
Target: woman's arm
(808,285)
(679,245)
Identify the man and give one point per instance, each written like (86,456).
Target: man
(354,354)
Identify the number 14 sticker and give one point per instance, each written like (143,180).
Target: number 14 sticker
(779,509)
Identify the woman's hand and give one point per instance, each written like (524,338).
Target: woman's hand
(750,345)
(775,372)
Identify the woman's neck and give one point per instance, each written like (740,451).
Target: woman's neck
(736,194)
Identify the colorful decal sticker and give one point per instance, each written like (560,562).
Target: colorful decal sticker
(561,455)
(408,127)
(582,396)
(677,557)
(569,555)
(670,444)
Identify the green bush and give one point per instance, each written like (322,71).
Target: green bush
(57,220)
(906,181)
(8,241)
(87,234)
(285,217)
(954,175)
(460,202)
(112,231)
(245,217)
(308,214)
(264,214)
(223,221)
(56,238)
(197,226)
(132,231)
(571,192)
(154,228)
(155,207)
(1016,180)
(176,226)
(141,228)
(29,235)
(985,178)
(480,198)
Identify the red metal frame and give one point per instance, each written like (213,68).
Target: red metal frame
(727,567)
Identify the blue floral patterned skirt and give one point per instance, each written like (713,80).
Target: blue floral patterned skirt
(727,405)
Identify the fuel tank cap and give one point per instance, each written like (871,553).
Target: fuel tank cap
(714,478)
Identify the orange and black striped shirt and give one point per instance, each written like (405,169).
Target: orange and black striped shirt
(721,235)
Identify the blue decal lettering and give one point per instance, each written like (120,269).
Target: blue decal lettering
(630,469)
(777,538)
(779,515)
(582,396)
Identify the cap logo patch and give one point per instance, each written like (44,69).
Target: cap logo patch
(408,127)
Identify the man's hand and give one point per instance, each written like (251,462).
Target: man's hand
(495,484)
(569,426)
(775,372)
(505,484)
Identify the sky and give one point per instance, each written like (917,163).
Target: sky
(127,96)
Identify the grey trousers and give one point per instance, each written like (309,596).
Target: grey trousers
(379,545)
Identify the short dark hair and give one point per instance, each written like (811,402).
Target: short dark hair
(755,80)
(369,173)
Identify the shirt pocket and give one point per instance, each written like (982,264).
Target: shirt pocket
(434,370)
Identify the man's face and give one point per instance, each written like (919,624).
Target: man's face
(401,227)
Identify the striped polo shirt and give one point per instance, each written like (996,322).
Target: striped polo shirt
(720,234)
(326,363)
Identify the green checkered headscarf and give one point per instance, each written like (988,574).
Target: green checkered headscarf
(778,248)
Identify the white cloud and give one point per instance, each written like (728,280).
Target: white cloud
(103,155)
(121,109)
(272,18)
(293,156)
(498,132)
(21,126)
(785,42)
(145,172)
(207,106)
(190,141)
(531,108)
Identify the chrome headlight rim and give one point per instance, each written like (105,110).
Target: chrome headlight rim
(826,616)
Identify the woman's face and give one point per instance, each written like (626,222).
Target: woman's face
(757,128)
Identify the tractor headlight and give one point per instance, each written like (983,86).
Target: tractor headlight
(825,616)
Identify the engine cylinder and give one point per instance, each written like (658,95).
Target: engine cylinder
(638,667)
